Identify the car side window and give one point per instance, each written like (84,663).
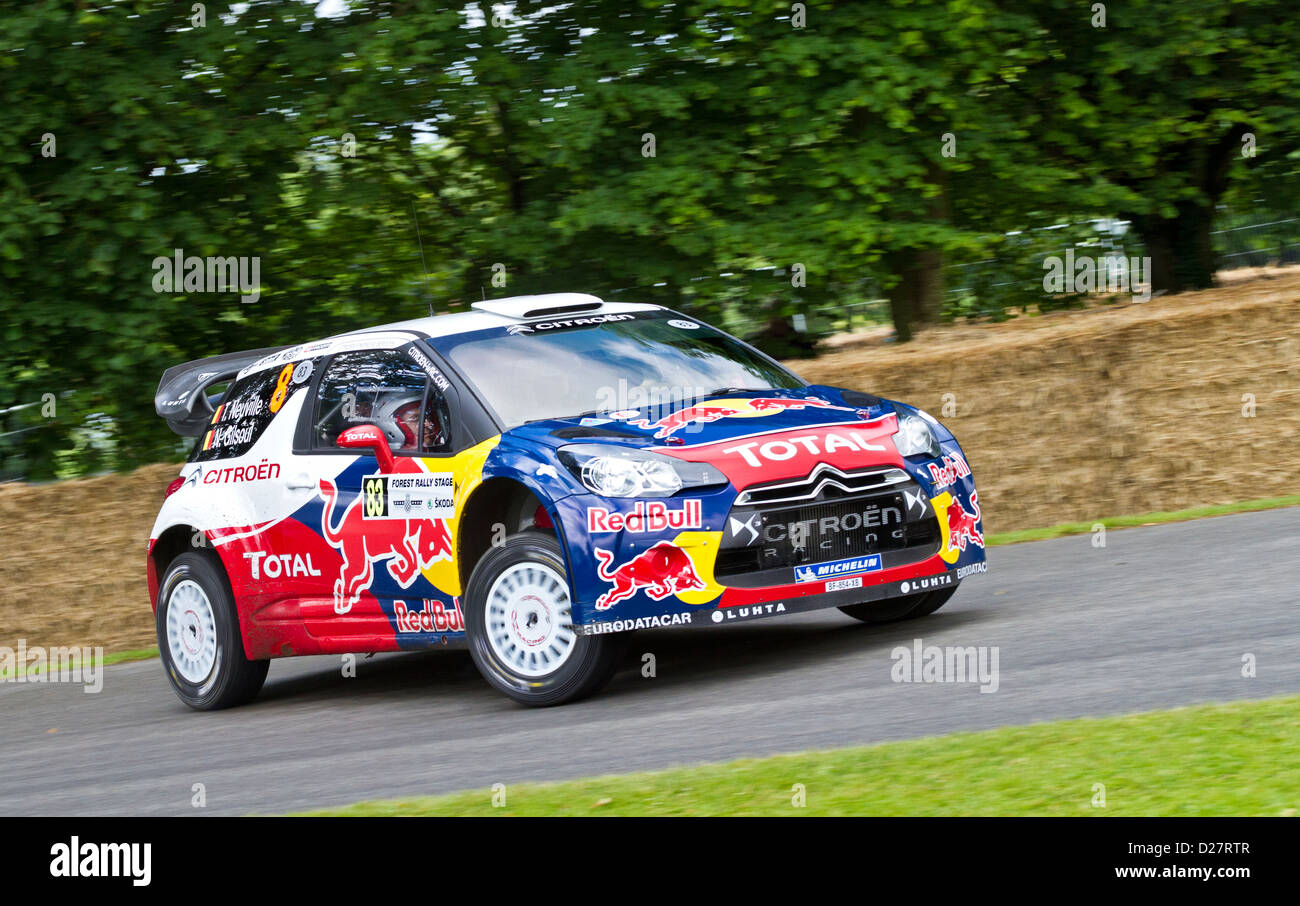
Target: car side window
(246,409)
(381,387)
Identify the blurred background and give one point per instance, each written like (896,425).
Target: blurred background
(876,193)
(788,171)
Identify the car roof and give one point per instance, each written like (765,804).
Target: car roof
(486,314)
(513,310)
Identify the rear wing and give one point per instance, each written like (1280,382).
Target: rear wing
(182,399)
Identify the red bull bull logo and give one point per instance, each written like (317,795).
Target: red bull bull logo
(777,404)
(412,544)
(670,424)
(711,412)
(962,525)
(663,570)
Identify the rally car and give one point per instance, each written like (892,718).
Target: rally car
(534,478)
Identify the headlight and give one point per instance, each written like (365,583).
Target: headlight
(914,437)
(621,472)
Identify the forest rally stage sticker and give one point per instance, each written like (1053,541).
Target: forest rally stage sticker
(424,496)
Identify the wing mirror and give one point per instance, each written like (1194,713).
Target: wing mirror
(369,437)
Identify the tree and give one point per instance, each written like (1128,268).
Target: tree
(1160,101)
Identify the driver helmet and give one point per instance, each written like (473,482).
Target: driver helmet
(398,417)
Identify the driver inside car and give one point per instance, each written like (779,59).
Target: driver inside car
(399,419)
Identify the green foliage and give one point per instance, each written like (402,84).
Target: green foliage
(956,128)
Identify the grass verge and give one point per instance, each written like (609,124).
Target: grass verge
(122,657)
(1241,758)
(1200,512)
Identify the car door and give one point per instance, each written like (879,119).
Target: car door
(387,529)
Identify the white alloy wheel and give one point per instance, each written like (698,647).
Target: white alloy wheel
(529,619)
(191,631)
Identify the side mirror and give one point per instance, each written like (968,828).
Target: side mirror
(368,437)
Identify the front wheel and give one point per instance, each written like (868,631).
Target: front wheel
(519,620)
(908,607)
(198,636)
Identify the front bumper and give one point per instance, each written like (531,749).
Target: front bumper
(701,559)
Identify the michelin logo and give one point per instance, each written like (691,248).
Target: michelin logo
(835,568)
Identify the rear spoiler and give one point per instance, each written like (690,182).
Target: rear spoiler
(181,398)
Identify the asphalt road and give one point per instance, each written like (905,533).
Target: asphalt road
(1160,617)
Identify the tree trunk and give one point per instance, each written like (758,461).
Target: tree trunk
(1180,248)
(916,299)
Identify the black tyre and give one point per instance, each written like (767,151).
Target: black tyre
(518,618)
(908,607)
(198,635)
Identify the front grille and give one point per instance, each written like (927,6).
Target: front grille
(763,542)
(824,483)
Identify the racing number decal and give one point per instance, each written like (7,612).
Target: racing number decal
(374,488)
(281,388)
(426,495)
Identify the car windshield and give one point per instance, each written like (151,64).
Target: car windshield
(560,369)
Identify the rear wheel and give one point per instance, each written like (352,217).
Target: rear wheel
(519,620)
(198,636)
(908,607)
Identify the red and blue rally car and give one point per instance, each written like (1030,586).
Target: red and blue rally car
(534,478)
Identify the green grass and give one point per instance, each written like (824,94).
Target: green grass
(121,657)
(1233,759)
(1200,512)
(134,654)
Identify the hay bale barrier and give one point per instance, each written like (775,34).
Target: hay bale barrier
(72,558)
(1120,409)
(1116,409)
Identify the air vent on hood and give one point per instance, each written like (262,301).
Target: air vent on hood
(858,398)
(575,431)
(550,305)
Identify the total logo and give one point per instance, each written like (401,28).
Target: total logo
(276,566)
(755,453)
(953,468)
(432,617)
(652,516)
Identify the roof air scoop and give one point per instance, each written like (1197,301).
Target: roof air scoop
(550,305)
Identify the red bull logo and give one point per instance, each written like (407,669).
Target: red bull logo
(663,570)
(654,516)
(683,417)
(954,467)
(961,524)
(711,412)
(412,544)
(776,404)
(433,617)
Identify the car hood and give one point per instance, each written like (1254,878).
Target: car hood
(705,421)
